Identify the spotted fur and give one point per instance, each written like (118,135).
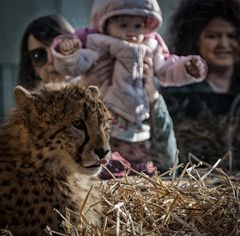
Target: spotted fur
(51,145)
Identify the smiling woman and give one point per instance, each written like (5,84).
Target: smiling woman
(218,44)
(210,29)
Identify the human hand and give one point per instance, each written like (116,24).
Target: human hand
(150,85)
(148,69)
(196,67)
(67,44)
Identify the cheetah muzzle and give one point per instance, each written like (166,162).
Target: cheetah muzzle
(51,145)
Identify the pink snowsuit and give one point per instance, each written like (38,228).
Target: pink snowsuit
(125,95)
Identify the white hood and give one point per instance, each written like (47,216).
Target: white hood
(104,9)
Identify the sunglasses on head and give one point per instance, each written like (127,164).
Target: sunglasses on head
(39,56)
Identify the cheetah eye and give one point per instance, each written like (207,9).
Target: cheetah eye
(79,124)
(106,127)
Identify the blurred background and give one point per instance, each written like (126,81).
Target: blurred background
(15,15)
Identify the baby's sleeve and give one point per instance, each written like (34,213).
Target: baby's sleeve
(76,63)
(172,72)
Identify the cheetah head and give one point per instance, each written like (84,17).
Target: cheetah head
(66,122)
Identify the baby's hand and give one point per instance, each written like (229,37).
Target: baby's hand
(196,67)
(68,45)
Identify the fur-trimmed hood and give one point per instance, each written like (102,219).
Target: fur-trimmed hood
(102,10)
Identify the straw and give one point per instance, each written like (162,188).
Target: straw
(193,203)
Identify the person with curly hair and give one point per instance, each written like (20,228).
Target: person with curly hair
(210,29)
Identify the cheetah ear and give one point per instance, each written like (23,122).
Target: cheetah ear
(94,91)
(22,96)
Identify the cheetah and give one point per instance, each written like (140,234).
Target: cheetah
(52,143)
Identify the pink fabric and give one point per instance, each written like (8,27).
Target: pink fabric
(102,10)
(127,156)
(161,43)
(83,33)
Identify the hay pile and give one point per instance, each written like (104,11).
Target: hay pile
(200,201)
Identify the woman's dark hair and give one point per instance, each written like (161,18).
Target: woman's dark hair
(44,29)
(191,17)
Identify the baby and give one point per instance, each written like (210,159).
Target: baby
(125,30)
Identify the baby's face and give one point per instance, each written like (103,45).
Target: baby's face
(129,28)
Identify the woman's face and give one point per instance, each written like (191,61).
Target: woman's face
(218,43)
(42,60)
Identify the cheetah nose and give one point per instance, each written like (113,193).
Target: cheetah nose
(101,152)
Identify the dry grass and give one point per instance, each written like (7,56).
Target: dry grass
(200,201)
